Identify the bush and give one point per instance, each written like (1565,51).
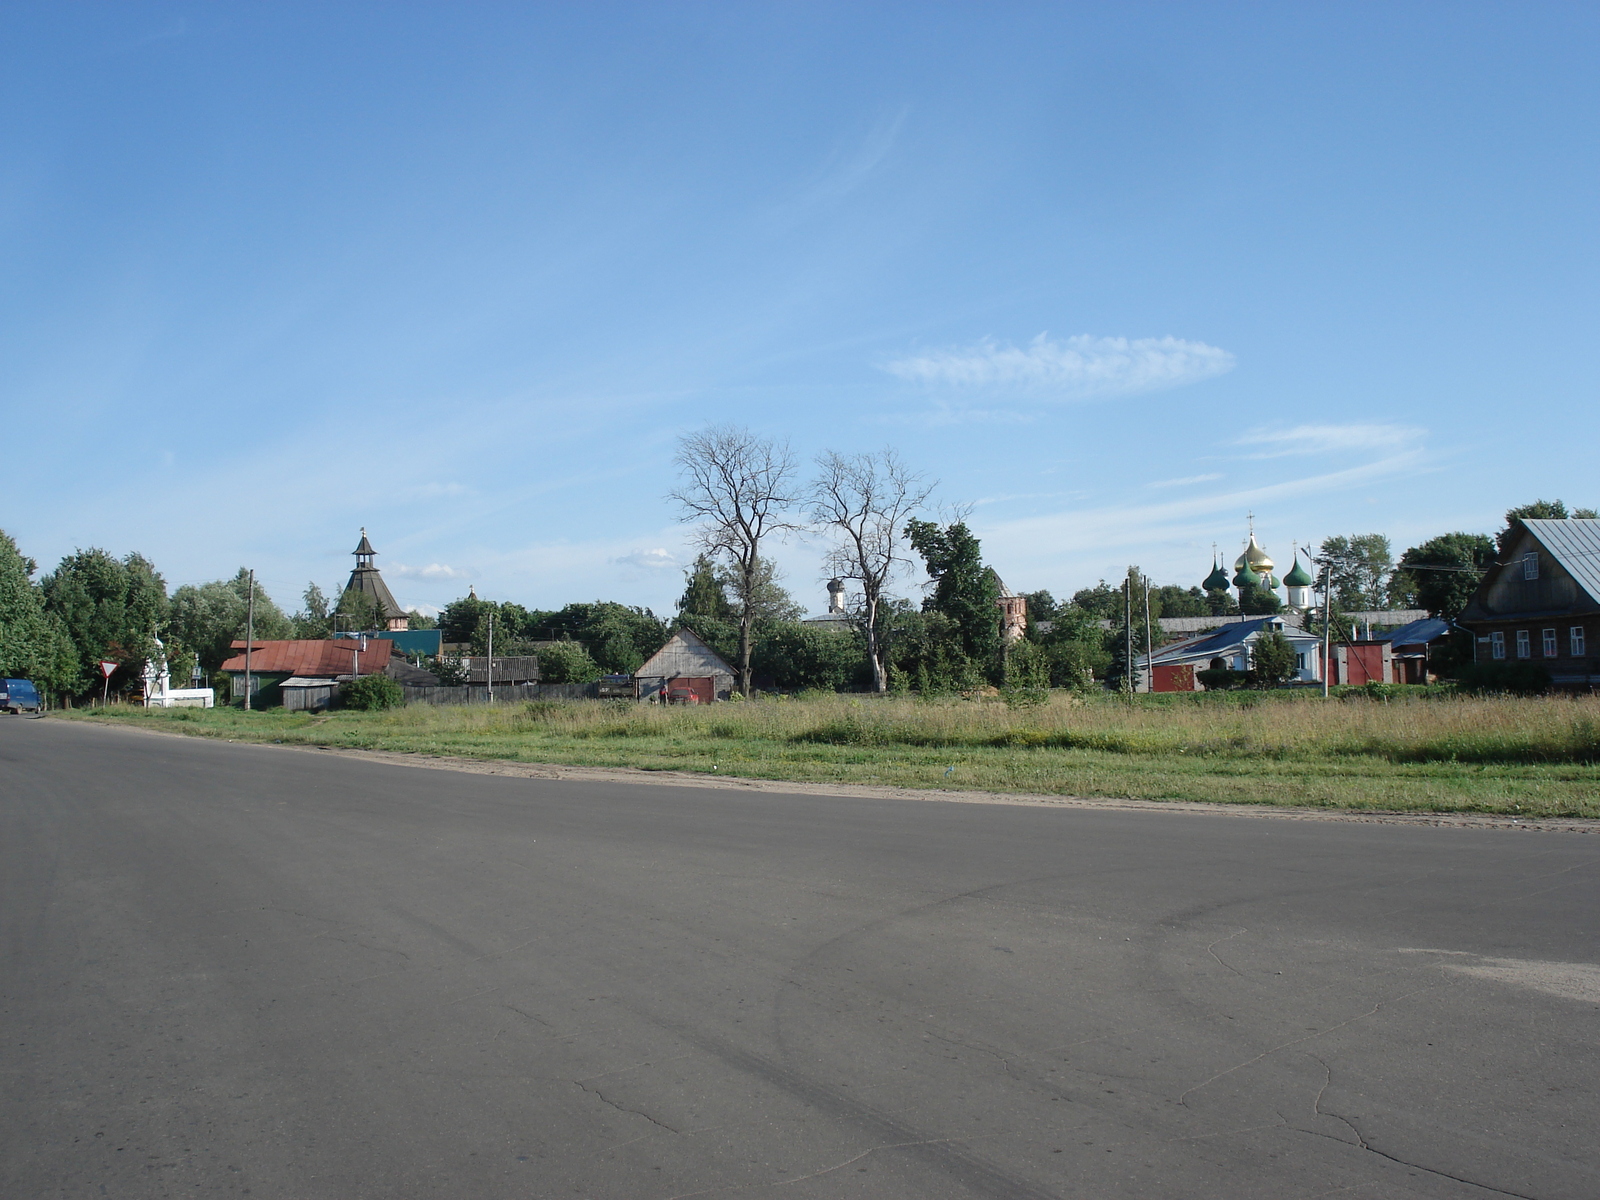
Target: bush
(567,662)
(1219,679)
(1517,679)
(371,693)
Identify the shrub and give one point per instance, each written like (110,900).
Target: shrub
(567,662)
(371,693)
(1219,679)
(1517,679)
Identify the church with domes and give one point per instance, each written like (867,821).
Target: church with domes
(1254,575)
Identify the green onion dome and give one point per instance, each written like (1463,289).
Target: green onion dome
(1299,577)
(1217,581)
(1245,577)
(1273,582)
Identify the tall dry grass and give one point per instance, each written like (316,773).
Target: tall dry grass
(1467,729)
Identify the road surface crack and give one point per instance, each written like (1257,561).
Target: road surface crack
(1219,942)
(1362,1142)
(604,1099)
(1183,1099)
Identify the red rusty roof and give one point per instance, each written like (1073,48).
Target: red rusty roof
(314,658)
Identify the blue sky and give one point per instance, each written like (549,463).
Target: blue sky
(1115,275)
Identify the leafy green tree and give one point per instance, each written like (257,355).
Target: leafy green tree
(357,611)
(1027,678)
(1170,600)
(312,622)
(458,622)
(34,644)
(420,620)
(112,609)
(1360,565)
(1076,646)
(567,662)
(965,592)
(797,657)
(1272,658)
(1042,608)
(703,595)
(1258,602)
(208,618)
(1102,600)
(1442,573)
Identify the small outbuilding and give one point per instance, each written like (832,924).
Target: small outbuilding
(685,657)
(1175,668)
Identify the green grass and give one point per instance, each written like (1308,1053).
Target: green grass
(1409,753)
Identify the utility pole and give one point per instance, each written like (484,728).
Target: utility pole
(249,638)
(1149,643)
(1127,634)
(489,661)
(1327,624)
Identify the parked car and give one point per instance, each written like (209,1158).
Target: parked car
(18,695)
(682,695)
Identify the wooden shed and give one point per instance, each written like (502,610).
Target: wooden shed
(685,656)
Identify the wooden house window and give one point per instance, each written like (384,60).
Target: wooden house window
(1575,634)
(1551,649)
(1497,644)
(1524,644)
(1530,565)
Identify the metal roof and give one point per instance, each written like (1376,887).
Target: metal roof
(1225,641)
(312,658)
(1575,544)
(1416,633)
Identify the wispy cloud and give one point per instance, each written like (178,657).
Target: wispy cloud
(850,165)
(1330,439)
(431,571)
(1185,481)
(650,560)
(1082,367)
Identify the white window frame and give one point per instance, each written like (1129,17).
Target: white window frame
(1576,641)
(1552,647)
(1497,644)
(1524,644)
(1530,565)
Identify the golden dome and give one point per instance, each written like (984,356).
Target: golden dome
(1260,561)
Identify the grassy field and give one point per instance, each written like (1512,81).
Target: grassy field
(1520,756)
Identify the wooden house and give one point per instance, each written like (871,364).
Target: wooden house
(1540,604)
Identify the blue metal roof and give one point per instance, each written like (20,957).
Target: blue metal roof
(1416,633)
(1225,641)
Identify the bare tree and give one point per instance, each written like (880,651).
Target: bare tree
(864,499)
(739,488)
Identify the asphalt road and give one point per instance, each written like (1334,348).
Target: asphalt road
(242,970)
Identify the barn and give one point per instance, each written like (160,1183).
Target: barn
(685,657)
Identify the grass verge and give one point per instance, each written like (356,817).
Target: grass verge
(1532,757)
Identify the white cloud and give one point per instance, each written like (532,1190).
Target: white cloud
(1079,368)
(1331,439)
(1185,481)
(427,610)
(431,571)
(651,560)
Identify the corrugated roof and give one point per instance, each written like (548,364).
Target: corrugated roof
(1416,633)
(313,658)
(1575,544)
(1224,641)
(684,654)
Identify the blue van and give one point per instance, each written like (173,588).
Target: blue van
(18,695)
